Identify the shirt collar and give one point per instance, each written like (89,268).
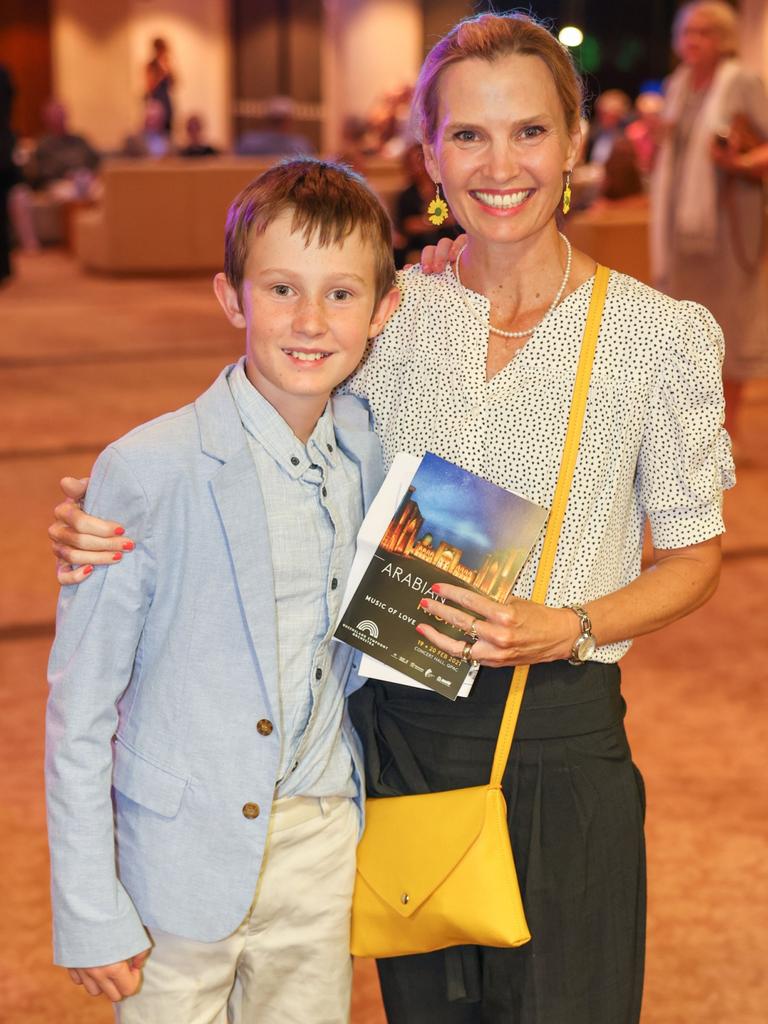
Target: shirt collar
(267,427)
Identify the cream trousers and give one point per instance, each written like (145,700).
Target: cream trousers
(288,962)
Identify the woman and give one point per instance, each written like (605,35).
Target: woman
(160,81)
(707,225)
(477,365)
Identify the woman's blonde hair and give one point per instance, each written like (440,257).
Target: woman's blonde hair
(489,37)
(724,17)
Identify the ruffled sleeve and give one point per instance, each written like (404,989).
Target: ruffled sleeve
(685,460)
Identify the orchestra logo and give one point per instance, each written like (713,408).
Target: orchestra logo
(366,626)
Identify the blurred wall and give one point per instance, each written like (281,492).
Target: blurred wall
(25,50)
(100,50)
(754,35)
(368,49)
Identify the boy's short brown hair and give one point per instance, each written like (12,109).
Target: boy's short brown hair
(327,199)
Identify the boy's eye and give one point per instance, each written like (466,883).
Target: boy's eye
(282,290)
(341,294)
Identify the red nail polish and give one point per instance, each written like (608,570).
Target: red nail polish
(435,588)
(87,570)
(420,630)
(119,531)
(423,603)
(128,546)
(117,556)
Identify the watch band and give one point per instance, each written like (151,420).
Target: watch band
(585,624)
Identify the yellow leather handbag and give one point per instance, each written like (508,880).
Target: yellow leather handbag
(436,869)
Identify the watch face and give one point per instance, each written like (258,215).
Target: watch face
(585,647)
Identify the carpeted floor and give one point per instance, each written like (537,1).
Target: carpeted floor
(83,360)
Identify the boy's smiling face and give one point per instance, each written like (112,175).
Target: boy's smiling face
(308,312)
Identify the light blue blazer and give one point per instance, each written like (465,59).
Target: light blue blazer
(161,669)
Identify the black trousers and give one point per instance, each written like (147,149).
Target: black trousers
(576,806)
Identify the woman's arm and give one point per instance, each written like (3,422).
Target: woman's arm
(676,583)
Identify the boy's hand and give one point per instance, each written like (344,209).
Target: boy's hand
(81,541)
(114,980)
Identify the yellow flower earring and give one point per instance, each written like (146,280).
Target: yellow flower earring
(567,192)
(437,211)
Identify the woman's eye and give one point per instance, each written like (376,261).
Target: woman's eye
(465,135)
(532,131)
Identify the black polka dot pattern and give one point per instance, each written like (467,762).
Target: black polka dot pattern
(653,445)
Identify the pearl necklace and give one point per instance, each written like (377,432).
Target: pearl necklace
(515,334)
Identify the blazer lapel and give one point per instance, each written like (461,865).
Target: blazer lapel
(237,492)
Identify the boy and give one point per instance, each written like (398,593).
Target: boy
(196,688)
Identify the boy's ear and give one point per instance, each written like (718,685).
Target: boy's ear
(383,311)
(228,300)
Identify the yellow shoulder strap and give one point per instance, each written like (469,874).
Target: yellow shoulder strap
(557,512)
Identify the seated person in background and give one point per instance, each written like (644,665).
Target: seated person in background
(412,226)
(153,139)
(612,111)
(645,131)
(60,154)
(277,137)
(622,178)
(195,144)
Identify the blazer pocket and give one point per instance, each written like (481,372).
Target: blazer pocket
(146,783)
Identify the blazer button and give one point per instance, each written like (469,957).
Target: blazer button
(250,811)
(264,727)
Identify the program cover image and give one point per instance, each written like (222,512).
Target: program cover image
(451,526)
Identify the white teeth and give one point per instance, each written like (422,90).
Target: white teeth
(307,357)
(502,202)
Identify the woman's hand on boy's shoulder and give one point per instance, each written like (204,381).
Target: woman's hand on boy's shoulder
(435,258)
(80,541)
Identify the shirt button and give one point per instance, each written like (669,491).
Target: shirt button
(329,447)
(294,461)
(250,811)
(318,673)
(324,492)
(264,727)
(334,583)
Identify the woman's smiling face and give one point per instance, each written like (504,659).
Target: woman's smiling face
(501,146)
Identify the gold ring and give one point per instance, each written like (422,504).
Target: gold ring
(472,631)
(466,653)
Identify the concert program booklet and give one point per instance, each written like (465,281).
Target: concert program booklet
(431,522)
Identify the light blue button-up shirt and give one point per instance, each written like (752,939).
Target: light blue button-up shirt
(314,505)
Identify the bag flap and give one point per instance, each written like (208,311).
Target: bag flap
(412,843)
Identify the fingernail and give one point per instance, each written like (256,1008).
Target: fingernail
(423,602)
(119,531)
(420,630)
(435,588)
(117,556)
(87,570)
(128,546)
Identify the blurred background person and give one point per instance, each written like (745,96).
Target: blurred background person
(195,143)
(413,229)
(160,79)
(60,154)
(9,175)
(644,131)
(152,139)
(707,222)
(278,136)
(612,112)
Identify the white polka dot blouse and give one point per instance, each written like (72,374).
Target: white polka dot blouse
(653,446)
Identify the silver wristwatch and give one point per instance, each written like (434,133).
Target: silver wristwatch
(585,644)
